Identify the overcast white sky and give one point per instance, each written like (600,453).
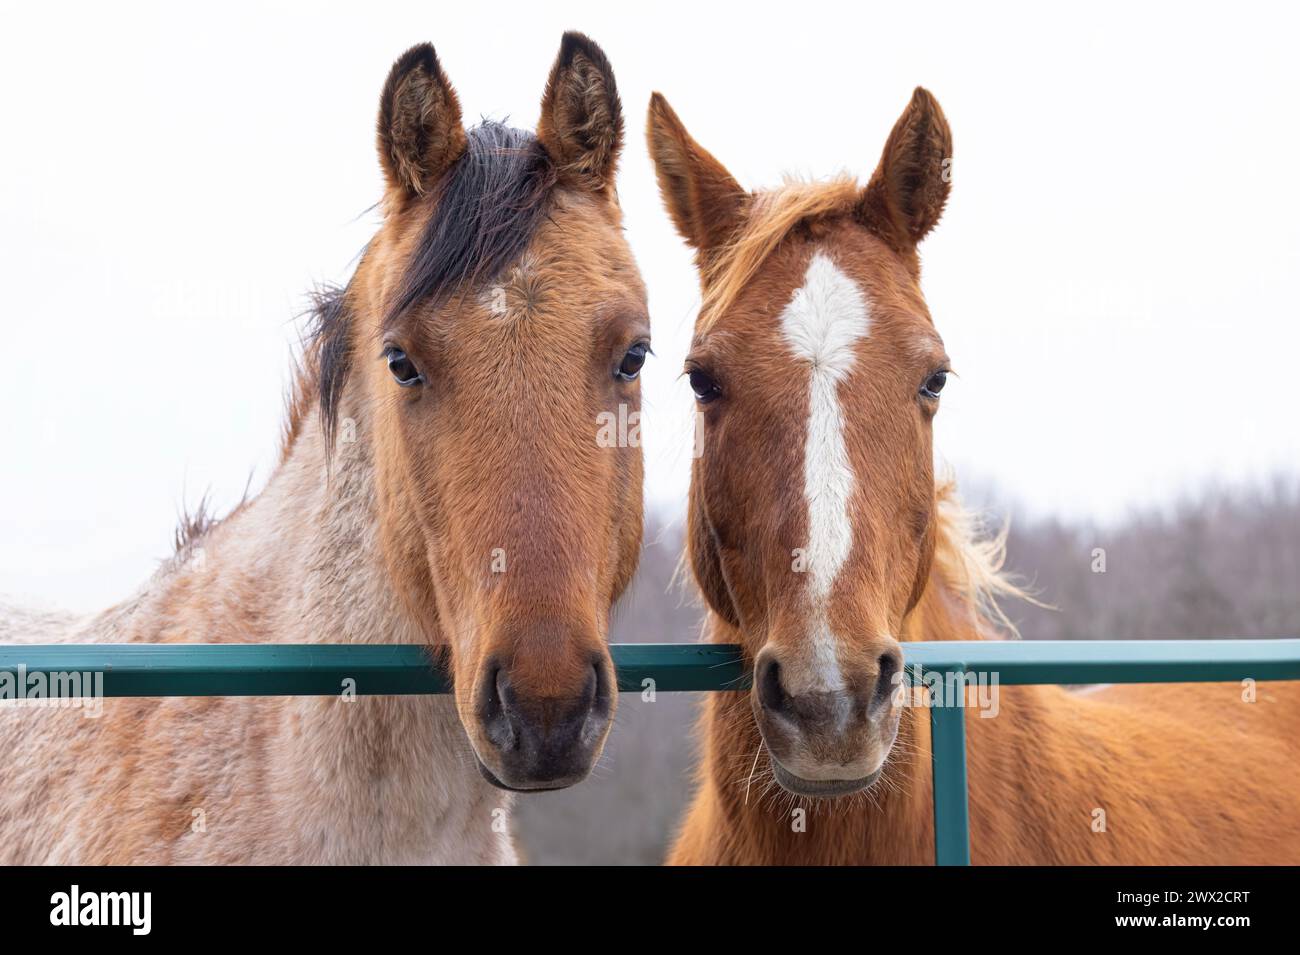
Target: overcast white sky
(1116,277)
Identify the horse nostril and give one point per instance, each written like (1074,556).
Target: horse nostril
(492,708)
(595,705)
(591,688)
(771,695)
(890,664)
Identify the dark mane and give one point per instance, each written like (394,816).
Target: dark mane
(321,372)
(487,211)
(483,217)
(193,525)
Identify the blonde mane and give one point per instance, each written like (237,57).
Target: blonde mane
(971,563)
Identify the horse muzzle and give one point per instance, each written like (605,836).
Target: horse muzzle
(825,742)
(531,743)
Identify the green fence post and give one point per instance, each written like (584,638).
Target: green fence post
(948,762)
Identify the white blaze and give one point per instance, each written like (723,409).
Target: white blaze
(822,324)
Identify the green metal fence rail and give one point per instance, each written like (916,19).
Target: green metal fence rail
(321,669)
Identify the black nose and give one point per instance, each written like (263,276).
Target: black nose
(542,742)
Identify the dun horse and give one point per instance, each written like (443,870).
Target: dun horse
(820,539)
(455,494)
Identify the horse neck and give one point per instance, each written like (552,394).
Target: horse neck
(886,825)
(380,779)
(299,563)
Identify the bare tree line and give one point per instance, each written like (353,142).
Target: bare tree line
(1223,563)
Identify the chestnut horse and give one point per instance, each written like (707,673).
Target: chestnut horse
(456,495)
(820,539)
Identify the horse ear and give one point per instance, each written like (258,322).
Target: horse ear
(581,127)
(706,204)
(420,129)
(907,192)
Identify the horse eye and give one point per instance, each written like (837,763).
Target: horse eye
(705,388)
(632,361)
(403,369)
(934,384)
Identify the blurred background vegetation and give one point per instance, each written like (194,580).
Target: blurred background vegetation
(1221,563)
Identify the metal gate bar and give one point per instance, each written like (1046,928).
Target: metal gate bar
(190,669)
